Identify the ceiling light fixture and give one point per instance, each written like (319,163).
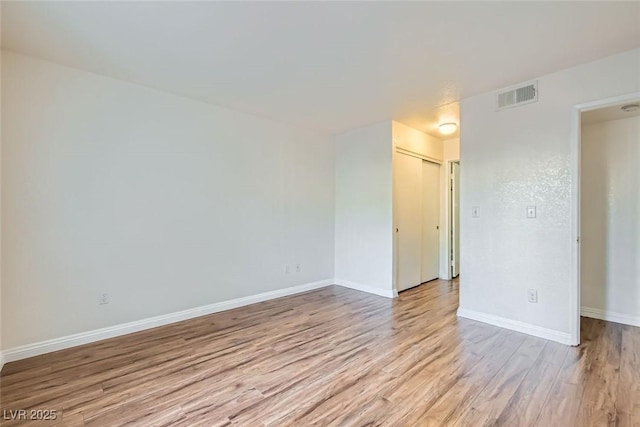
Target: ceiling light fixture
(447,128)
(630,107)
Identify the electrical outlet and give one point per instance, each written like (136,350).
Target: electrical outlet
(103,298)
(531,211)
(297,268)
(475,212)
(532,295)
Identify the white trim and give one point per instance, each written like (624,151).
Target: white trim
(448,220)
(1,361)
(515,325)
(620,99)
(418,155)
(35,349)
(610,316)
(574,291)
(387,293)
(574,296)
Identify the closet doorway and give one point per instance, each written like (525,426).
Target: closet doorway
(417,188)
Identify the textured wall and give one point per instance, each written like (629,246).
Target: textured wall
(518,157)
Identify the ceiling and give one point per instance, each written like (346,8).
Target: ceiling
(609,113)
(327,66)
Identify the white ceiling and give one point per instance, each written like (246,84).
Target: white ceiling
(609,113)
(328,66)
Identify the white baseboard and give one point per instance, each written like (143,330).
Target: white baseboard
(610,316)
(1,361)
(516,325)
(388,293)
(25,351)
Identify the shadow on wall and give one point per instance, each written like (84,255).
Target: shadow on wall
(631,236)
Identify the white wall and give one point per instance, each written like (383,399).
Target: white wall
(1,346)
(413,140)
(518,157)
(164,202)
(610,219)
(363,209)
(451,150)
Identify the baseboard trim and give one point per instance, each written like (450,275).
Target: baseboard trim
(1,361)
(387,293)
(48,346)
(516,325)
(610,316)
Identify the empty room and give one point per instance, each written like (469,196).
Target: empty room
(320,213)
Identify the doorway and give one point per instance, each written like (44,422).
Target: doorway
(606,146)
(610,213)
(417,186)
(454,220)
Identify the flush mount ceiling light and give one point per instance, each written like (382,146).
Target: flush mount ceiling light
(630,107)
(447,128)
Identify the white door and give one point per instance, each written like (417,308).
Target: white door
(455,219)
(430,221)
(408,189)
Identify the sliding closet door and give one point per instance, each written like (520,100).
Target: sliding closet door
(430,221)
(408,188)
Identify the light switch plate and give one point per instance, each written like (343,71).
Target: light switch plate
(475,212)
(531,211)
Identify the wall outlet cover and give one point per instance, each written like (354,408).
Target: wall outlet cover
(531,211)
(103,298)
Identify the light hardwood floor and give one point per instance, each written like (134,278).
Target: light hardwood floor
(337,357)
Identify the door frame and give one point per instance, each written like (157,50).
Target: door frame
(576,121)
(445,242)
(451,220)
(439,208)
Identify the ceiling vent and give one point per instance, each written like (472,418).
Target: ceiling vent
(517,95)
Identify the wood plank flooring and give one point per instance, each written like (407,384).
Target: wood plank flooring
(335,356)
